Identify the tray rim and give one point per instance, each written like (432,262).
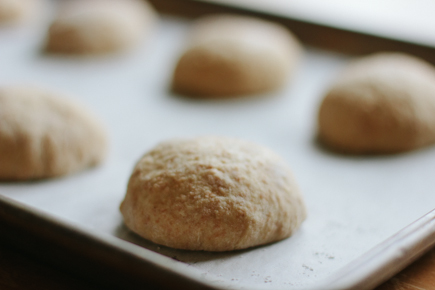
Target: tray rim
(69,247)
(92,255)
(333,38)
(88,254)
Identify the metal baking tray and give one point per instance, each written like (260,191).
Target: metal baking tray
(354,237)
(356,27)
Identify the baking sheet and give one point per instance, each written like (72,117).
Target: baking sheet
(406,20)
(353,203)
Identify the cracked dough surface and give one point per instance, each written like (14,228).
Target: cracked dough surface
(43,134)
(383,103)
(213,194)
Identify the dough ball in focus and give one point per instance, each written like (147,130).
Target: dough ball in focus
(212,194)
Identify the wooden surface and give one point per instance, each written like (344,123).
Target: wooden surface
(19,272)
(419,275)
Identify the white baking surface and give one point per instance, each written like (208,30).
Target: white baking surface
(353,203)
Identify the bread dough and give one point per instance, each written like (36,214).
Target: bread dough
(43,134)
(99,26)
(13,11)
(384,103)
(232,55)
(213,194)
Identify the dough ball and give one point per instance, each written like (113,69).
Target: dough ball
(13,11)
(232,55)
(384,103)
(45,135)
(99,26)
(212,194)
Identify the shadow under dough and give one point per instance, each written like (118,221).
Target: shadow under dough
(186,256)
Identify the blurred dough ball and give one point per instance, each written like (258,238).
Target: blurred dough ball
(384,103)
(99,26)
(43,134)
(212,194)
(231,55)
(14,11)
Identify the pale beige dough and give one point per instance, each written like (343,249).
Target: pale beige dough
(43,135)
(384,103)
(99,26)
(231,55)
(15,11)
(212,194)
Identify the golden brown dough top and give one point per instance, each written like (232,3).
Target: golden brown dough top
(44,134)
(383,103)
(244,30)
(99,26)
(232,55)
(212,193)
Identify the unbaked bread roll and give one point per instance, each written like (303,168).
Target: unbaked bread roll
(231,55)
(14,11)
(43,134)
(384,103)
(212,194)
(99,26)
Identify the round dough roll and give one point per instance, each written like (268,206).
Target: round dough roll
(99,26)
(384,103)
(44,135)
(213,194)
(232,55)
(13,11)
